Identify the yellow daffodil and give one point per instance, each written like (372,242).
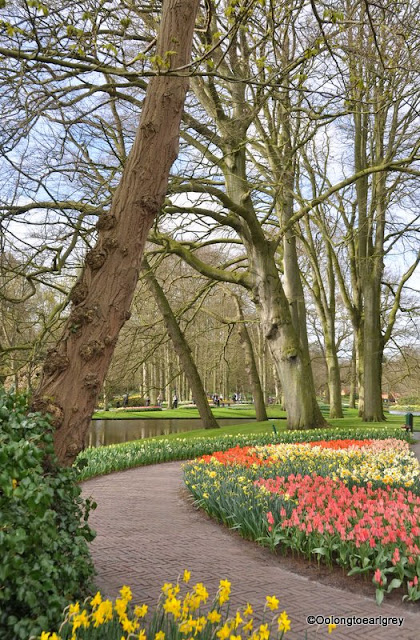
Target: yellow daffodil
(140,611)
(128,625)
(187,576)
(121,606)
(214,617)
(264,632)
(237,620)
(248,626)
(201,591)
(172,605)
(96,600)
(199,624)
(331,627)
(248,611)
(272,602)
(224,591)
(160,635)
(80,620)
(186,626)
(74,608)
(284,622)
(126,593)
(224,632)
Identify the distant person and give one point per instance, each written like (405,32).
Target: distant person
(125,400)
(148,401)
(159,400)
(175,401)
(234,397)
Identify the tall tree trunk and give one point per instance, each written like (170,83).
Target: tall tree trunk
(360,363)
(334,386)
(353,378)
(277,387)
(182,350)
(251,366)
(373,408)
(168,376)
(292,362)
(74,370)
(333,367)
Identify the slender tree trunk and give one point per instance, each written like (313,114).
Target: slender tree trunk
(333,366)
(353,378)
(182,350)
(74,370)
(276,386)
(334,386)
(251,366)
(360,363)
(168,376)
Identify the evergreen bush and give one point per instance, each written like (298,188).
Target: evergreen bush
(44,531)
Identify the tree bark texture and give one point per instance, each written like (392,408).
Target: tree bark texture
(373,353)
(292,361)
(251,367)
(182,349)
(74,370)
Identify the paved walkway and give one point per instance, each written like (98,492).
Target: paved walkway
(148,533)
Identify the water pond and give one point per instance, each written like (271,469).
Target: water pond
(105,432)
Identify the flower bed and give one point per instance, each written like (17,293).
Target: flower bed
(101,460)
(176,616)
(356,504)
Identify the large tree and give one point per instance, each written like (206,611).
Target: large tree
(75,369)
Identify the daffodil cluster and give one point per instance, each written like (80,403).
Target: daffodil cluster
(176,616)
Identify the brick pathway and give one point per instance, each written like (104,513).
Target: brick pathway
(147,534)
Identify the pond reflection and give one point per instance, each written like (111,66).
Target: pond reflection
(104,432)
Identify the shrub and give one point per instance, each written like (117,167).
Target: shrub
(44,531)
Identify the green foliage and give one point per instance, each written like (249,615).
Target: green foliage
(44,530)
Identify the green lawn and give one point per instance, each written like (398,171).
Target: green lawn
(238,411)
